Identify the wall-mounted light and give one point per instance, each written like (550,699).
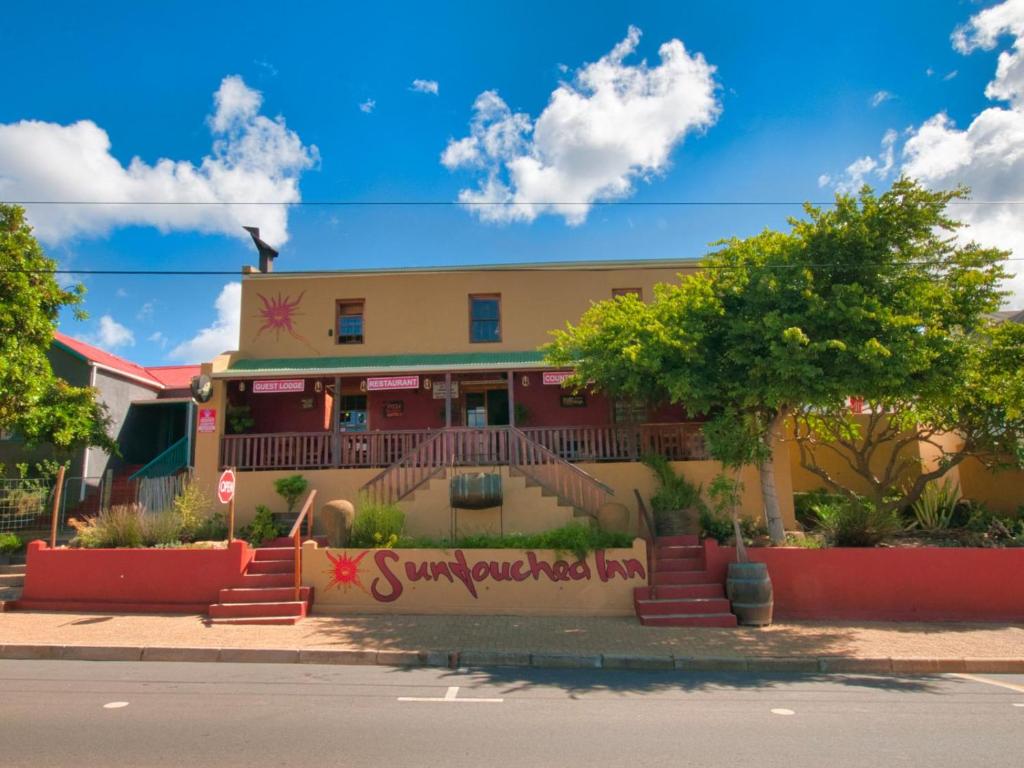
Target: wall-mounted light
(362,385)
(526,380)
(241,386)
(427,384)
(318,386)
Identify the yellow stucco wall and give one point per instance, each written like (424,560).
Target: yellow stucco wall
(1000,491)
(378,581)
(428,312)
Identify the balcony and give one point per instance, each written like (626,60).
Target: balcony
(467,447)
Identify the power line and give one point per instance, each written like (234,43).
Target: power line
(471,204)
(695,264)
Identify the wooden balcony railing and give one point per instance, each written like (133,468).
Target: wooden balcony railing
(463,446)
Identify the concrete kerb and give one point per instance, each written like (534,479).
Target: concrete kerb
(484,659)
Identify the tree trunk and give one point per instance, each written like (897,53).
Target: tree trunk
(776,528)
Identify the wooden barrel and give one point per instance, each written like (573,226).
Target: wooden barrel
(479,490)
(750,591)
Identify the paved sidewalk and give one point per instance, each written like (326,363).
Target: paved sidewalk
(505,640)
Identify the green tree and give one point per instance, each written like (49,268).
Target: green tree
(874,297)
(34,402)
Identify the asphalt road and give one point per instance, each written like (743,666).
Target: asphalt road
(64,713)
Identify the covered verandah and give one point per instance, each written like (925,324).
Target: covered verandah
(370,412)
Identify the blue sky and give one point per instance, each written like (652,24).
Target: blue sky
(792,90)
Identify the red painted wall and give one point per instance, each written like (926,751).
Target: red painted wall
(156,580)
(283,412)
(899,584)
(543,401)
(419,409)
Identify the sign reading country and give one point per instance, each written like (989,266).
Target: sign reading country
(382,383)
(275,386)
(555,377)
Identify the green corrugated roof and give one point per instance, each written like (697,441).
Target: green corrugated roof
(388,363)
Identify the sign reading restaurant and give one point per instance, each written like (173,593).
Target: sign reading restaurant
(383,383)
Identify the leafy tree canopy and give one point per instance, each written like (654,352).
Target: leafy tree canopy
(874,296)
(34,402)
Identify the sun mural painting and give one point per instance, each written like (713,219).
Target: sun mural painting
(278,314)
(344,571)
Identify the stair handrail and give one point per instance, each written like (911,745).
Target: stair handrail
(306,513)
(177,445)
(519,441)
(414,459)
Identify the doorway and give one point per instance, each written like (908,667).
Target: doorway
(487,408)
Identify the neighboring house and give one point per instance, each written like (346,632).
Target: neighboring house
(393,382)
(150,410)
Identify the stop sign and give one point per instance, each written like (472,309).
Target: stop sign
(226,486)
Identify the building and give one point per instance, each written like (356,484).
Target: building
(151,415)
(393,382)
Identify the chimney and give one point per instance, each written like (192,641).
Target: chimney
(267,254)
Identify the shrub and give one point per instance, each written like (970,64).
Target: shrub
(262,527)
(935,509)
(119,526)
(855,523)
(291,489)
(804,504)
(160,529)
(715,526)
(377,524)
(577,537)
(192,507)
(9,544)
(211,528)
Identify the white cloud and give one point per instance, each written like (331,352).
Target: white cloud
(158,338)
(950,75)
(612,125)
(929,72)
(425,86)
(146,311)
(253,157)
(221,336)
(110,334)
(880,98)
(367,106)
(824,180)
(987,155)
(121,293)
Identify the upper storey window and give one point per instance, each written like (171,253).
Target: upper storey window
(485,318)
(350,321)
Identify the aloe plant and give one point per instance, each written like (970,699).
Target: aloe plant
(934,510)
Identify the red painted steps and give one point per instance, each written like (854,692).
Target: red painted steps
(683,593)
(267,594)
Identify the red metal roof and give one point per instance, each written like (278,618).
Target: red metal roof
(158,377)
(174,376)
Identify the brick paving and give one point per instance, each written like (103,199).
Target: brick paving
(619,639)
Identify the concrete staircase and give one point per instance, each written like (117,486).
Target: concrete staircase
(12,579)
(267,594)
(683,593)
(524,503)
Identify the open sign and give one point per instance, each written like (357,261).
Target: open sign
(226,486)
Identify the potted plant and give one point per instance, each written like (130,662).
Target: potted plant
(731,439)
(676,504)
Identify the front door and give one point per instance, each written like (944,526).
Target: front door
(487,408)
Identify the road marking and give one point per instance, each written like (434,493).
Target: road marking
(115,705)
(782,711)
(450,696)
(1018,704)
(1000,683)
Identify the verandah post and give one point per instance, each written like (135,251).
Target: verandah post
(447,400)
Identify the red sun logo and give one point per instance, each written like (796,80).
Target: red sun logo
(344,571)
(278,314)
